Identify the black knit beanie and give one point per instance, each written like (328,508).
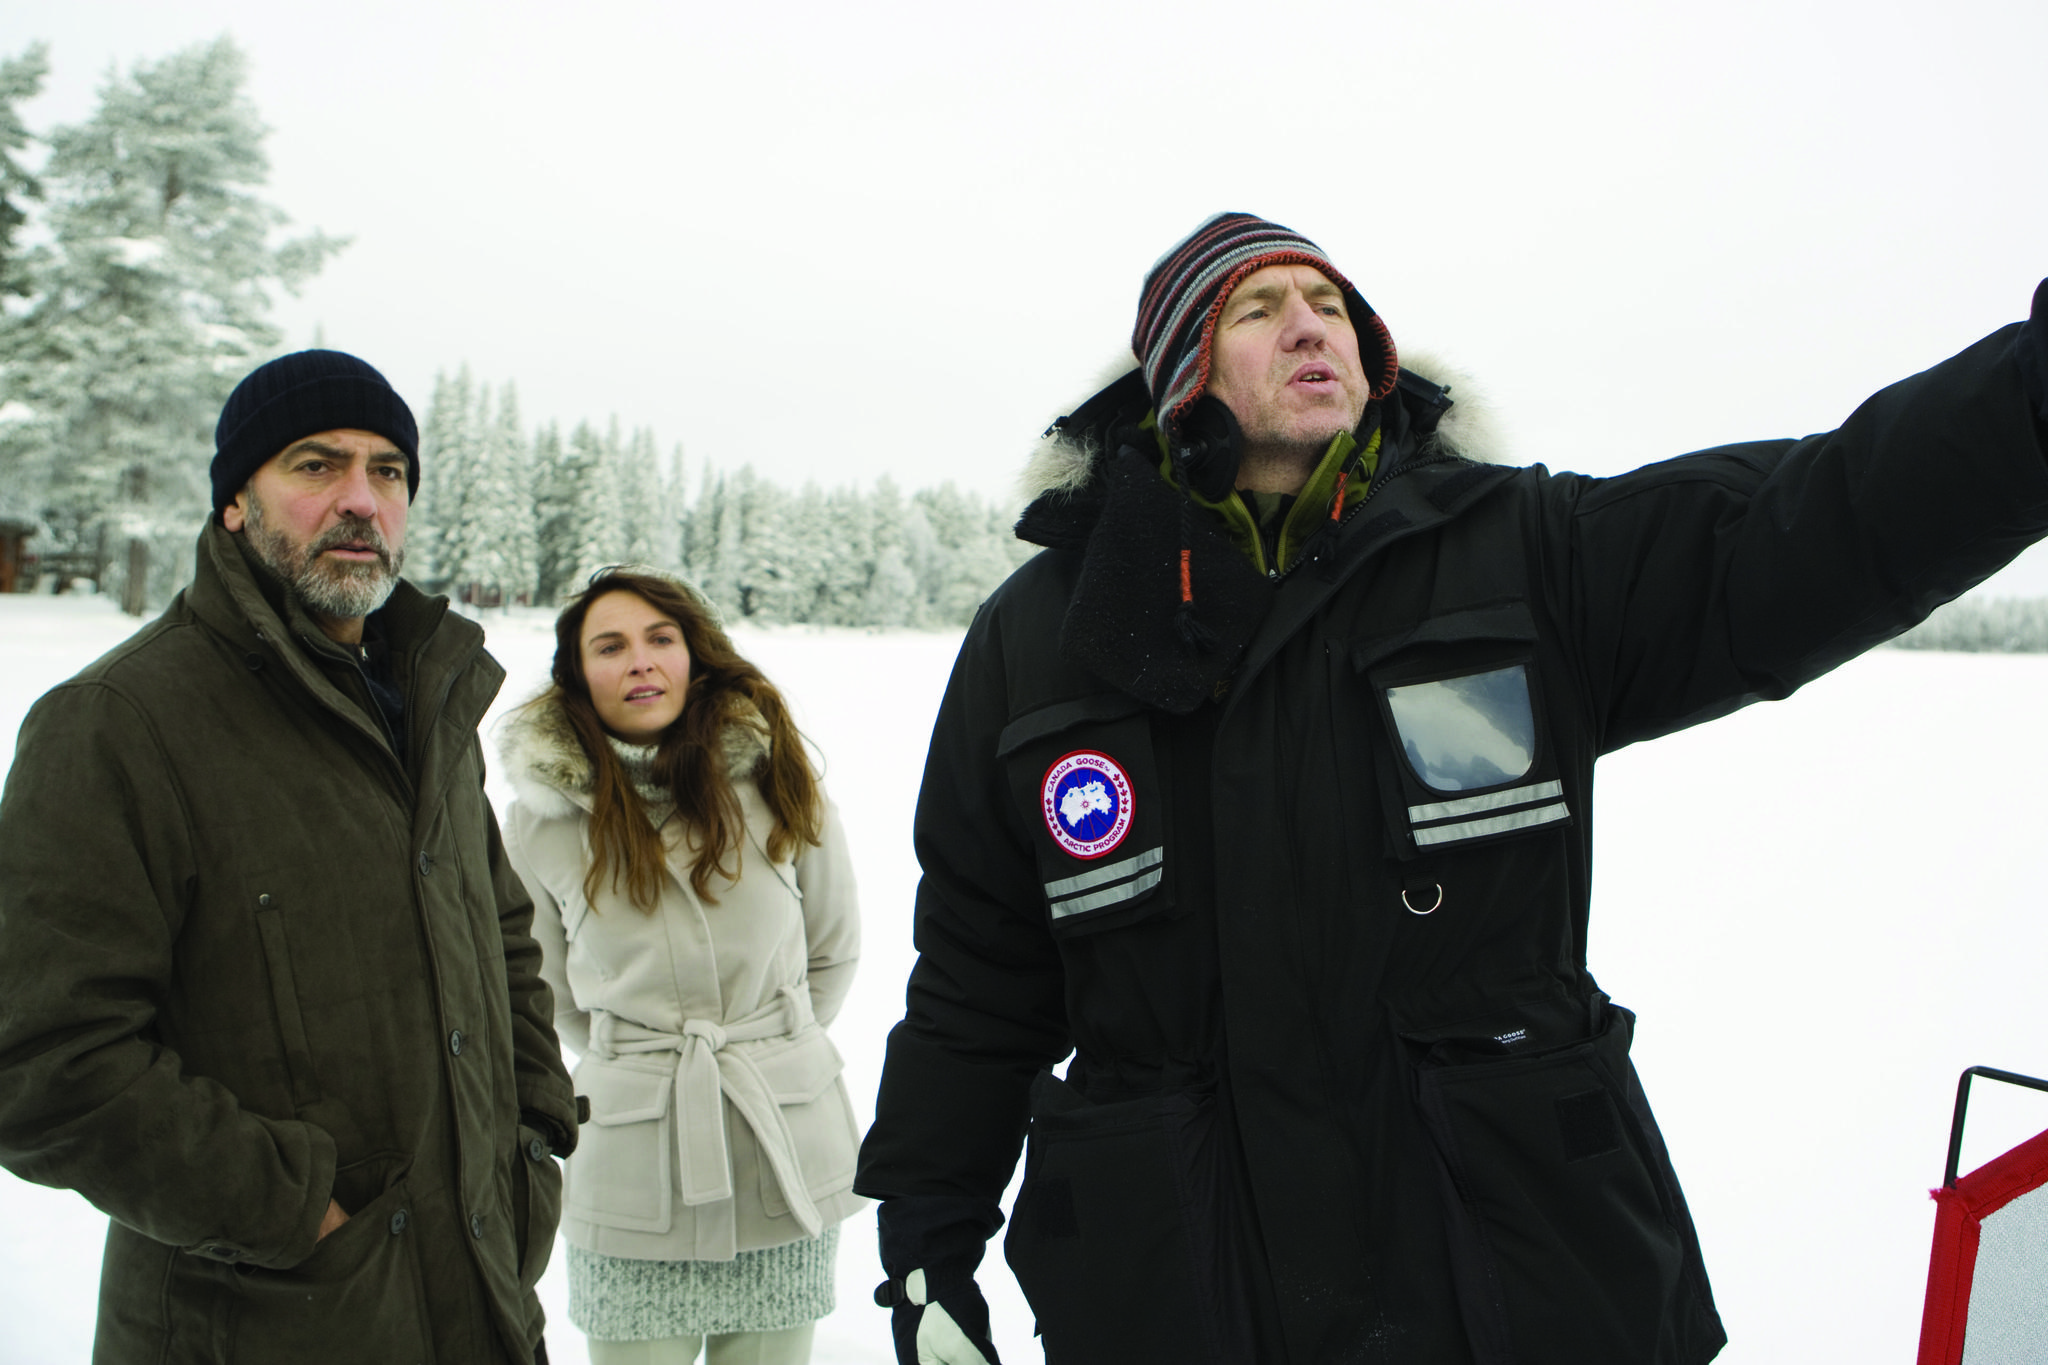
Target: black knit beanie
(299,395)
(1188,285)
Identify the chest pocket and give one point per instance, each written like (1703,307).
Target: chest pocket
(1088,786)
(1459,699)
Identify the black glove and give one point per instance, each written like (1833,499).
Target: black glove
(931,1245)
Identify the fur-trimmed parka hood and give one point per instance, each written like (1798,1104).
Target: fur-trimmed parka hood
(1169,586)
(549,770)
(1065,458)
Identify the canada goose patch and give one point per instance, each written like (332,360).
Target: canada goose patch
(1088,803)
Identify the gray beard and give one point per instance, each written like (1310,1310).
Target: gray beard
(326,588)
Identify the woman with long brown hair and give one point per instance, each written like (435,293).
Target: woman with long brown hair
(695,909)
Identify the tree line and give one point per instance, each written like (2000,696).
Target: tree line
(504,516)
(1970,625)
(137,268)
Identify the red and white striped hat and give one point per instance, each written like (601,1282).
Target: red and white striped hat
(1186,289)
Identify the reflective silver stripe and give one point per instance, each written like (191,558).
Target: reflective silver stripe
(1123,892)
(1096,876)
(1472,805)
(1499,824)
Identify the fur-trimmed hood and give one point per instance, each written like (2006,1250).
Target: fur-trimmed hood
(1166,598)
(549,770)
(1065,458)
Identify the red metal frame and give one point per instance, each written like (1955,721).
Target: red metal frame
(1961,1206)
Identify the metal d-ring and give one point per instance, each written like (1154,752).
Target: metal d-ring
(1433,905)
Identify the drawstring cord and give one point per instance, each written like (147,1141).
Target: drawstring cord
(1198,638)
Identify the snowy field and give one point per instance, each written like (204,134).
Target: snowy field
(1822,910)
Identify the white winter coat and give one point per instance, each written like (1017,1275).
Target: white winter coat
(718,1119)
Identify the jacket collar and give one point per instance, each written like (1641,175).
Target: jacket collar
(1415,497)
(433,648)
(552,774)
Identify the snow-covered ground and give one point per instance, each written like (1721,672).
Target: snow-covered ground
(1822,910)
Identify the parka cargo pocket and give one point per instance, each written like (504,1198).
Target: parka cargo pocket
(620,1175)
(803,1077)
(1090,789)
(1109,1230)
(361,1286)
(1570,1241)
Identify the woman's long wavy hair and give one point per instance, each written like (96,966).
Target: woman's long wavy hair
(690,757)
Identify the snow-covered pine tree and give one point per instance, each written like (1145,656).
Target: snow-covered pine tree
(638,478)
(555,488)
(602,529)
(489,553)
(150,302)
(815,553)
(970,561)
(21,80)
(903,551)
(892,591)
(720,517)
(448,441)
(844,591)
(514,515)
(670,544)
(891,594)
(772,582)
(697,539)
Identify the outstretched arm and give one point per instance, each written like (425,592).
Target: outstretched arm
(1742,573)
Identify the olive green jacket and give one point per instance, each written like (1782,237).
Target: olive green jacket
(252,957)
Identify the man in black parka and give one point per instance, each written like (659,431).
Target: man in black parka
(1266,791)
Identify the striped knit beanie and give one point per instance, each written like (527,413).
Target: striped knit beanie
(1186,289)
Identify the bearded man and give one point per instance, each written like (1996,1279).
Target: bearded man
(267,992)
(1331,687)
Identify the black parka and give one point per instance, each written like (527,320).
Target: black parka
(253,957)
(1343,1089)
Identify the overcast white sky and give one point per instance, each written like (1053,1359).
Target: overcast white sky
(840,240)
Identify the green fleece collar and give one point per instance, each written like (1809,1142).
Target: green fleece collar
(1344,462)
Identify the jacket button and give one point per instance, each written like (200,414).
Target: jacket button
(455,1042)
(426,864)
(398,1221)
(263,899)
(476,1225)
(537,1149)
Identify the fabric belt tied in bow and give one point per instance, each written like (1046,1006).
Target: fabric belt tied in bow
(706,1070)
